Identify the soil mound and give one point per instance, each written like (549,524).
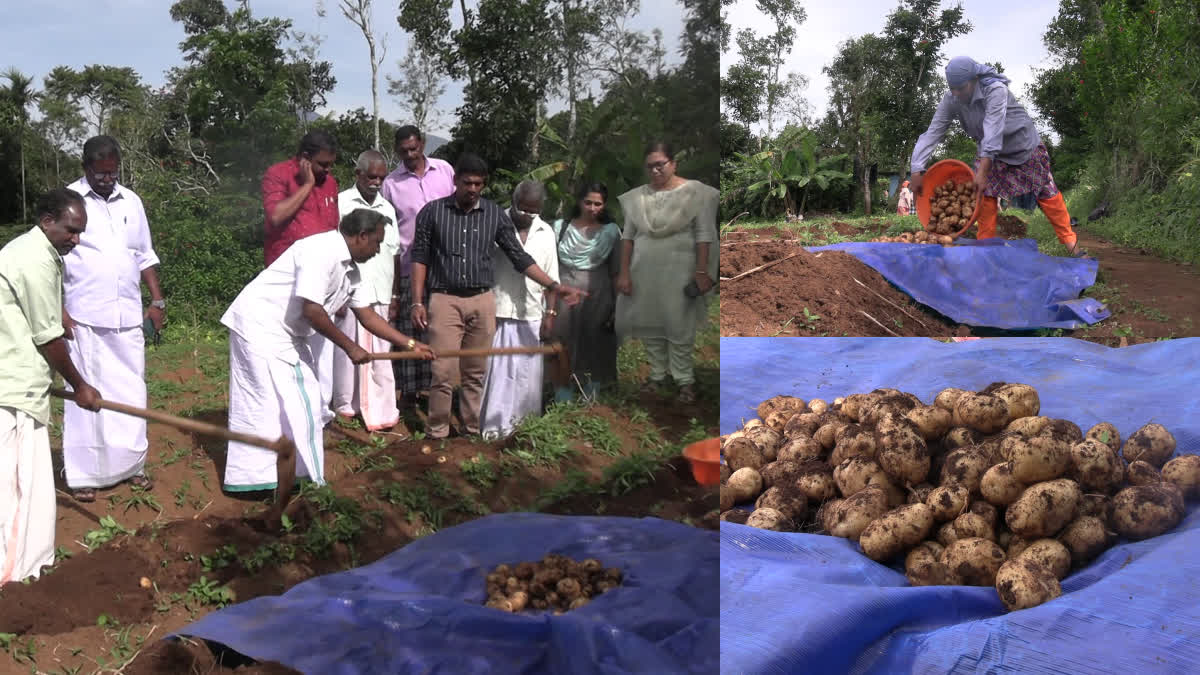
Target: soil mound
(1010,227)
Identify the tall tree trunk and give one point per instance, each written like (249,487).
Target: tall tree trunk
(537,126)
(571,84)
(21,148)
(374,85)
(462,5)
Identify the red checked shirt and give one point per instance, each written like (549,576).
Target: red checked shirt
(318,213)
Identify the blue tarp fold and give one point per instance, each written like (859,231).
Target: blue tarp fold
(991,283)
(419,610)
(813,604)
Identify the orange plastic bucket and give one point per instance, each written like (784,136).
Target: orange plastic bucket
(705,458)
(945,171)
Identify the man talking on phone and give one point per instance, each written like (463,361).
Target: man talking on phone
(300,199)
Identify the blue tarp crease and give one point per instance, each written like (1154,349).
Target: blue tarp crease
(801,603)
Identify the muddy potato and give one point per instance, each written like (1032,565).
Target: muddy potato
(1028,426)
(827,433)
(1017,545)
(1145,511)
(924,552)
(945,239)
(984,413)
(1022,400)
(778,419)
(852,515)
(802,424)
(1106,433)
(930,574)
(1094,465)
(1142,473)
(890,404)
(902,454)
(855,405)
(987,511)
(973,525)
(965,466)
(818,406)
(948,502)
(778,403)
(739,516)
(960,437)
(1065,430)
(1036,459)
(1049,552)
(825,514)
(974,561)
(766,438)
(769,519)
(726,472)
(990,446)
(918,493)
(946,398)
(1152,444)
(857,473)
(800,449)
(853,441)
(743,453)
(779,472)
(1184,471)
(745,484)
(896,531)
(1085,538)
(816,481)
(1096,505)
(998,485)
(1044,509)
(1025,583)
(946,534)
(789,501)
(1003,539)
(932,422)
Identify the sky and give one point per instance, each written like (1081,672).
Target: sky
(1008,32)
(140,34)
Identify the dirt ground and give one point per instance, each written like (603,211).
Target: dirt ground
(196,548)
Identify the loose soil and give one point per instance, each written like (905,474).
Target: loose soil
(773,301)
(57,619)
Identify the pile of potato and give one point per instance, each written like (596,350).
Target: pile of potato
(951,207)
(555,582)
(921,237)
(976,489)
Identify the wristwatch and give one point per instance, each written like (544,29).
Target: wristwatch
(553,285)
(160,304)
(411,344)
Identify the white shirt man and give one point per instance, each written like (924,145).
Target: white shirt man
(103,302)
(369,389)
(513,386)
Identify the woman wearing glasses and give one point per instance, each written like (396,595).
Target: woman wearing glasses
(589,258)
(666,267)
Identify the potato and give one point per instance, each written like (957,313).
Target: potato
(852,515)
(778,419)
(1096,505)
(750,424)
(918,493)
(1044,509)
(778,403)
(1025,583)
(888,404)
(826,435)
(1106,433)
(857,473)
(826,513)
(948,501)
(726,472)
(1152,444)
(945,240)
(853,441)
(1022,400)
(1003,539)
(974,561)
(744,485)
(932,422)
(739,516)
(1051,553)
(946,398)
(902,453)
(1145,511)
(1085,538)
(1028,426)
(769,519)
(800,449)
(743,453)
(767,440)
(946,534)
(789,501)
(960,437)
(1142,473)
(816,481)
(802,424)
(1184,471)
(1017,545)
(779,472)
(895,531)
(924,552)
(987,511)
(818,406)
(990,447)
(1036,459)
(1095,466)
(965,467)
(855,405)
(998,485)
(984,413)
(970,525)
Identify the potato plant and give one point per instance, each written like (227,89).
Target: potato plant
(975,489)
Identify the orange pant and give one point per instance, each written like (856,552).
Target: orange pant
(1054,208)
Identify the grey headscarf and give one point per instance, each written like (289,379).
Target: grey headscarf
(963,68)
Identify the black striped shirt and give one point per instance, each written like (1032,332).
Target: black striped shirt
(456,245)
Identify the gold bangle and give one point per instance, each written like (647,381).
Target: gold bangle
(412,344)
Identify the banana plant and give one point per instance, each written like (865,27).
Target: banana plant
(788,167)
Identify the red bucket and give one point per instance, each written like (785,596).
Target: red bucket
(705,458)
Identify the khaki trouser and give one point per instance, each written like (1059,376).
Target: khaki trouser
(458,323)
(667,356)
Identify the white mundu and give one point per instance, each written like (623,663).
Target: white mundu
(102,289)
(273,389)
(368,389)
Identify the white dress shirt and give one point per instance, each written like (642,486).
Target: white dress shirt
(267,313)
(102,282)
(517,296)
(378,272)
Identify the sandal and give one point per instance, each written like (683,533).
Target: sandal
(686,394)
(141,482)
(1079,253)
(85,495)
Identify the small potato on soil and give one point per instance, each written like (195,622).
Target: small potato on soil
(1044,509)
(1152,444)
(948,502)
(970,525)
(1106,433)
(816,481)
(853,441)
(974,561)
(1085,537)
(1051,553)
(1184,471)
(984,413)
(895,531)
(767,439)
(743,452)
(1023,583)
(818,406)
(965,466)
(769,519)
(998,485)
(852,515)
(1145,511)
(903,455)
(800,449)
(1142,473)
(789,501)
(1095,466)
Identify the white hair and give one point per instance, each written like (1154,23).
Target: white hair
(368,157)
(530,188)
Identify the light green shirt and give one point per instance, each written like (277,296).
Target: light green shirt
(30,315)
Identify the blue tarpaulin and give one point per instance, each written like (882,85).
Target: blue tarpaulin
(989,283)
(419,610)
(813,604)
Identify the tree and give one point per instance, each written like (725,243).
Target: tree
(428,21)
(21,95)
(419,87)
(358,12)
(99,91)
(62,125)
(762,57)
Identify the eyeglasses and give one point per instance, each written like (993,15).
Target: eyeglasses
(657,166)
(112,175)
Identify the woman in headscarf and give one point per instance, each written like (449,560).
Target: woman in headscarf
(905,205)
(1011,159)
(666,268)
(589,258)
